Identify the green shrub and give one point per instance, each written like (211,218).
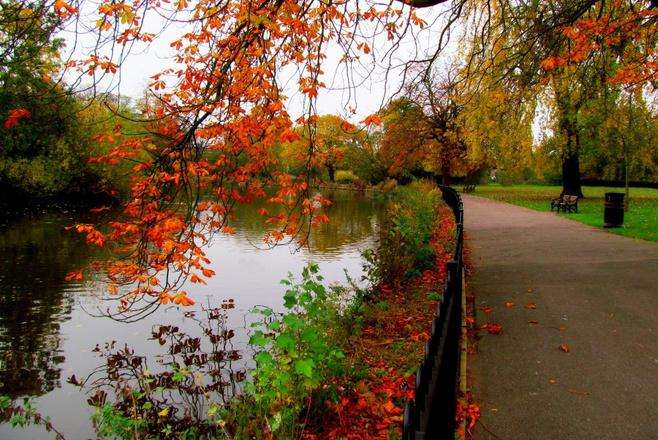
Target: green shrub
(297,353)
(346,176)
(405,235)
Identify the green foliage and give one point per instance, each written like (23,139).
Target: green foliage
(24,415)
(109,422)
(346,176)
(297,352)
(405,248)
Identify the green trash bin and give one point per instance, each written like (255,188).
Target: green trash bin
(613,213)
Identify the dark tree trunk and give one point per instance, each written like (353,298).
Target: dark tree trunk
(445,173)
(332,172)
(571,176)
(571,164)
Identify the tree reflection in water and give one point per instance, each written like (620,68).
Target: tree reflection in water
(35,257)
(193,374)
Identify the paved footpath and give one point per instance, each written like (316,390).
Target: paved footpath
(594,291)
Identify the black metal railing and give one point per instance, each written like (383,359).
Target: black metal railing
(431,415)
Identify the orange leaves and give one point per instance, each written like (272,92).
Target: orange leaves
(564,348)
(552,63)
(63,9)
(73,276)
(619,30)
(183,300)
(468,412)
(373,119)
(493,328)
(363,46)
(92,234)
(370,410)
(15,116)
(180,299)
(195,279)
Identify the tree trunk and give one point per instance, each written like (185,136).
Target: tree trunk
(571,175)
(332,172)
(445,173)
(571,163)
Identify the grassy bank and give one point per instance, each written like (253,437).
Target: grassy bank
(640,221)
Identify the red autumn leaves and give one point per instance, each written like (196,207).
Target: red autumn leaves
(15,116)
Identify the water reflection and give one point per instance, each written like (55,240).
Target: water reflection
(35,255)
(45,334)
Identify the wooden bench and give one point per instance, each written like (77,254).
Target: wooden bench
(569,203)
(565,203)
(469,188)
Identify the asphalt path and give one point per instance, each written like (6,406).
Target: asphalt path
(578,354)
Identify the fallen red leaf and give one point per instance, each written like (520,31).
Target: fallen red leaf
(509,304)
(492,328)
(531,306)
(564,348)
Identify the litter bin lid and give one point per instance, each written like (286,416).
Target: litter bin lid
(614,197)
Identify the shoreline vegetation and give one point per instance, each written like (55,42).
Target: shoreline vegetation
(338,361)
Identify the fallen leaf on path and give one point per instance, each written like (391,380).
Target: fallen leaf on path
(487,309)
(579,392)
(509,304)
(564,348)
(552,381)
(492,328)
(531,306)
(532,321)
(530,290)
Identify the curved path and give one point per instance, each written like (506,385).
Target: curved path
(593,291)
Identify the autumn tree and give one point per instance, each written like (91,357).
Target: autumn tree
(40,149)
(541,48)
(219,110)
(438,97)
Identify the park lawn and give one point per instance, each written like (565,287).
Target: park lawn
(640,221)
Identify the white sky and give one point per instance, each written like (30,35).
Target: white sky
(149,59)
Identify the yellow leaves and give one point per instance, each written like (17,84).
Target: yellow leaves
(164,412)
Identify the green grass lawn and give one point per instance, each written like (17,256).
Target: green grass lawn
(640,221)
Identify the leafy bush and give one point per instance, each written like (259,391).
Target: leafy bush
(405,248)
(346,176)
(298,353)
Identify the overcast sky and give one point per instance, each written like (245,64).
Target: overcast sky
(366,98)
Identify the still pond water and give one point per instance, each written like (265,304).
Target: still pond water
(47,327)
